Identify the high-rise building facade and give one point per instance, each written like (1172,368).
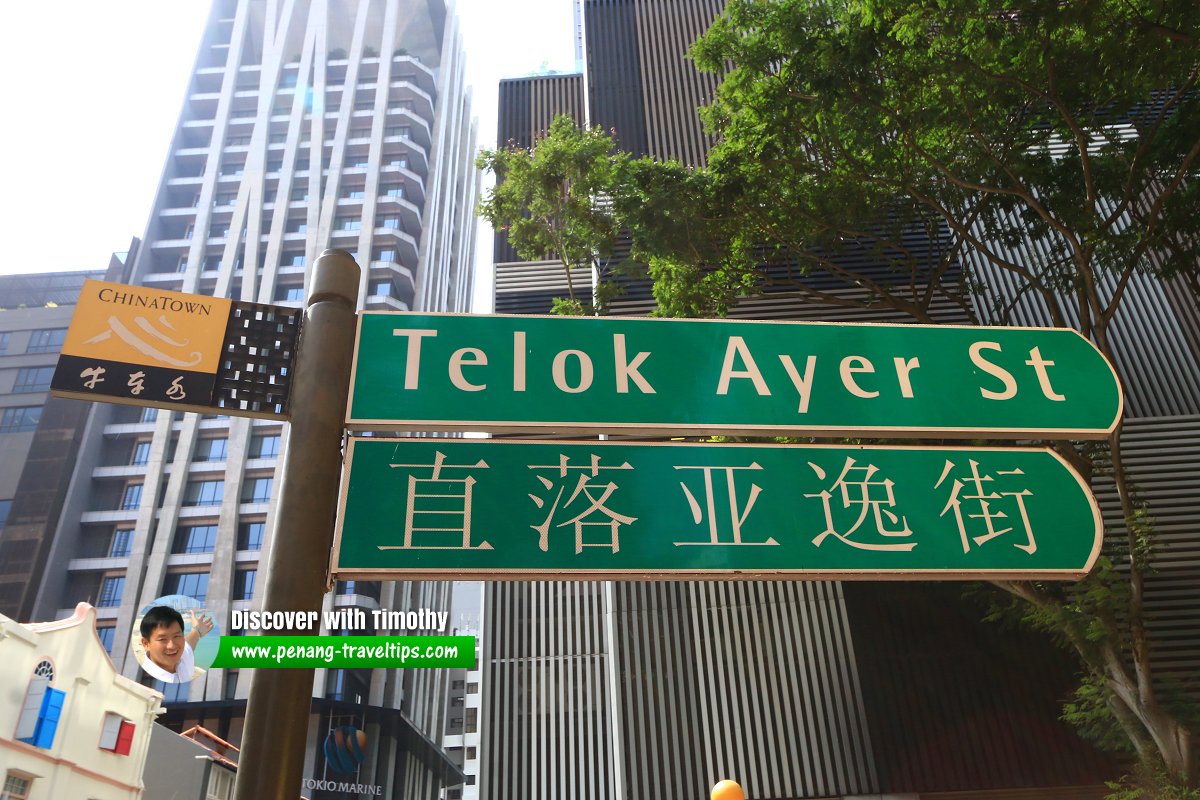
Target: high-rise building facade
(803,689)
(305,126)
(39,435)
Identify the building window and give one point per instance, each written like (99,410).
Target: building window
(108,635)
(5,509)
(190,584)
(195,539)
(471,753)
(403,131)
(382,289)
(391,223)
(21,419)
(39,717)
(33,379)
(48,340)
(116,735)
(385,254)
(394,190)
(299,195)
(173,692)
(401,162)
(204,493)
(111,589)
(131,498)
(40,712)
(257,490)
(225,199)
(347,224)
(122,542)
(472,720)
(211,450)
(3,343)
(181,265)
(264,445)
(341,685)
(250,535)
(360,133)
(237,141)
(292,260)
(149,414)
(354,194)
(472,688)
(141,453)
(297,227)
(231,682)
(243,583)
(16,787)
(289,294)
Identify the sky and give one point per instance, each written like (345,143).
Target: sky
(92,92)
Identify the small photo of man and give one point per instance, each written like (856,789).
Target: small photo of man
(169,653)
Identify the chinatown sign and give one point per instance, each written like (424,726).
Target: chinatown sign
(643,376)
(189,352)
(422,508)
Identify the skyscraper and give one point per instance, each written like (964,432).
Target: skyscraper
(305,126)
(797,689)
(39,435)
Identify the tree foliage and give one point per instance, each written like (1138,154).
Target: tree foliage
(937,138)
(546,199)
(1072,129)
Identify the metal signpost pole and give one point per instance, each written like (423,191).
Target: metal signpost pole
(277,714)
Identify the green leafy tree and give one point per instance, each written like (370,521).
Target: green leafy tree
(1071,127)
(545,197)
(1068,130)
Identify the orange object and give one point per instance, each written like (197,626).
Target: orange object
(727,790)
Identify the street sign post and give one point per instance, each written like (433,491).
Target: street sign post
(524,510)
(645,376)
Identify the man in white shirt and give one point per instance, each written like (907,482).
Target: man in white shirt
(169,654)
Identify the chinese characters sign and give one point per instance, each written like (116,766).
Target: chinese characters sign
(604,374)
(150,347)
(425,508)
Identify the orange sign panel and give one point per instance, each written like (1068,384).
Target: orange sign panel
(150,327)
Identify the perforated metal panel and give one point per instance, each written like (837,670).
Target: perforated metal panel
(256,368)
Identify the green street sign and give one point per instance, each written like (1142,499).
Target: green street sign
(646,376)
(523,510)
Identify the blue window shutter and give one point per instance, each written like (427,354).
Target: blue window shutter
(52,705)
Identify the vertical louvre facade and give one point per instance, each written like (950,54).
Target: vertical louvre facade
(306,125)
(640,83)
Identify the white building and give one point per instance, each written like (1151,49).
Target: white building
(71,726)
